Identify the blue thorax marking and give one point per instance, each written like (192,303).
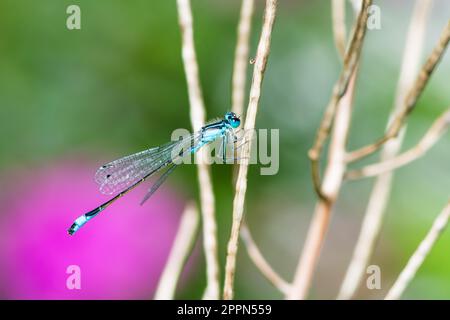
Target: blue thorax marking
(212,132)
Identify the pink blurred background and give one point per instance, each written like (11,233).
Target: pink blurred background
(120,253)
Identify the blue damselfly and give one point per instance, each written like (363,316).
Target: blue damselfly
(122,175)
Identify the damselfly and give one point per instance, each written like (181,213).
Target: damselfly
(122,175)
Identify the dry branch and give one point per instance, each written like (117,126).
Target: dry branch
(419,255)
(181,249)
(436,131)
(350,62)
(197,114)
(338,17)
(262,55)
(241,57)
(257,258)
(332,183)
(380,193)
(238,93)
(336,118)
(241,61)
(410,100)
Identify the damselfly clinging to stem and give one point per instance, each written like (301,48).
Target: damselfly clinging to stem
(124,174)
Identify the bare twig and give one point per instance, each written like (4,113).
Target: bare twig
(255,255)
(410,100)
(338,15)
(419,255)
(238,94)
(350,62)
(181,249)
(380,193)
(197,113)
(240,64)
(436,131)
(262,55)
(241,57)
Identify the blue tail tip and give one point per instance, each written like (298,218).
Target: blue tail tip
(78,224)
(73,228)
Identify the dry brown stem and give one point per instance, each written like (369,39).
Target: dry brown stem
(179,254)
(380,193)
(241,57)
(350,62)
(419,255)
(410,100)
(432,136)
(261,263)
(262,55)
(197,113)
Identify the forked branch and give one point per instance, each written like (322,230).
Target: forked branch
(437,130)
(379,196)
(410,100)
(350,61)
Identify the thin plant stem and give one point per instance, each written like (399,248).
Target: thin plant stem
(333,178)
(261,263)
(241,57)
(419,255)
(197,114)
(380,193)
(437,130)
(410,100)
(241,61)
(262,56)
(350,61)
(179,254)
(338,18)
(336,121)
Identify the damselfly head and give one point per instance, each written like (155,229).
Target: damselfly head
(232,119)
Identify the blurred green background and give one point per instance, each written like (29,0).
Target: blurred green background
(117,86)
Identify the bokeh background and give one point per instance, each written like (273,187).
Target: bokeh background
(72,100)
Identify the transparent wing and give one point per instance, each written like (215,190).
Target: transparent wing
(120,174)
(158,183)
